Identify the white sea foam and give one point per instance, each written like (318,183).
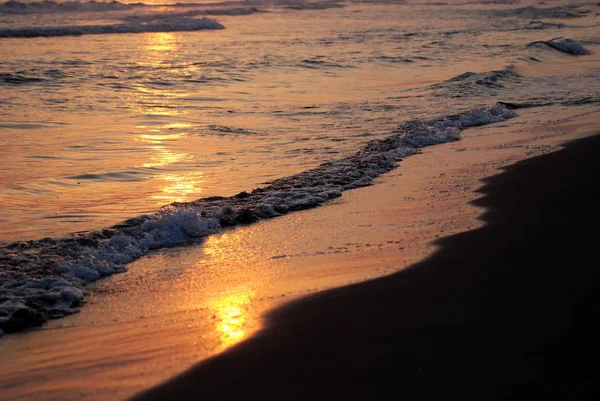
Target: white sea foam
(45,279)
(159,25)
(46,6)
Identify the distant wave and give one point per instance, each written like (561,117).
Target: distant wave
(45,279)
(222,130)
(320,62)
(193,13)
(229,8)
(323,5)
(18,79)
(539,25)
(568,46)
(559,12)
(46,6)
(162,25)
(476,84)
(399,59)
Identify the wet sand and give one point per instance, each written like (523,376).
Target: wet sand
(504,311)
(182,306)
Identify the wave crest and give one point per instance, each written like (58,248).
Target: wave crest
(46,6)
(491,78)
(45,279)
(161,25)
(567,46)
(532,12)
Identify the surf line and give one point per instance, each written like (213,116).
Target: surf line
(45,279)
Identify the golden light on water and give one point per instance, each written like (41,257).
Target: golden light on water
(179,186)
(154,101)
(164,157)
(162,42)
(156,97)
(159,138)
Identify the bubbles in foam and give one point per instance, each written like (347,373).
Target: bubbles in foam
(45,279)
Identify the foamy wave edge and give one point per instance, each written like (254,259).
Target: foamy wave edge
(45,279)
(47,6)
(164,25)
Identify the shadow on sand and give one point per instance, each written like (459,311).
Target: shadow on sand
(507,311)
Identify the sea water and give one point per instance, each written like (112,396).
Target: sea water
(131,127)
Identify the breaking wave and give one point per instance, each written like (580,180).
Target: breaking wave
(477,84)
(567,46)
(532,12)
(55,7)
(491,78)
(160,25)
(18,79)
(193,13)
(46,6)
(45,279)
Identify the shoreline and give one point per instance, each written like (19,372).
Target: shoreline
(45,278)
(504,311)
(170,299)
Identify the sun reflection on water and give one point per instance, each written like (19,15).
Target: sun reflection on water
(162,42)
(231,314)
(157,96)
(179,186)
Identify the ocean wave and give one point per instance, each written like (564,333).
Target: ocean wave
(558,12)
(477,84)
(577,100)
(322,5)
(46,6)
(394,59)
(319,62)
(160,25)
(45,279)
(567,46)
(120,176)
(536,25)
(18,79)
(222,130)
(193,13)
(51,7)
(491,78)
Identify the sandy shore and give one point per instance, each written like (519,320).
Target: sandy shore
(176,308)
(505,311)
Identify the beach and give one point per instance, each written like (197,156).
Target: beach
(148,326)
(504,311)
(298,199)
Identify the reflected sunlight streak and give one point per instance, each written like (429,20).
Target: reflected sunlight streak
(154,99)
(232,314)
(180,186)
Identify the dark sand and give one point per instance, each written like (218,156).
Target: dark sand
(506,311)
